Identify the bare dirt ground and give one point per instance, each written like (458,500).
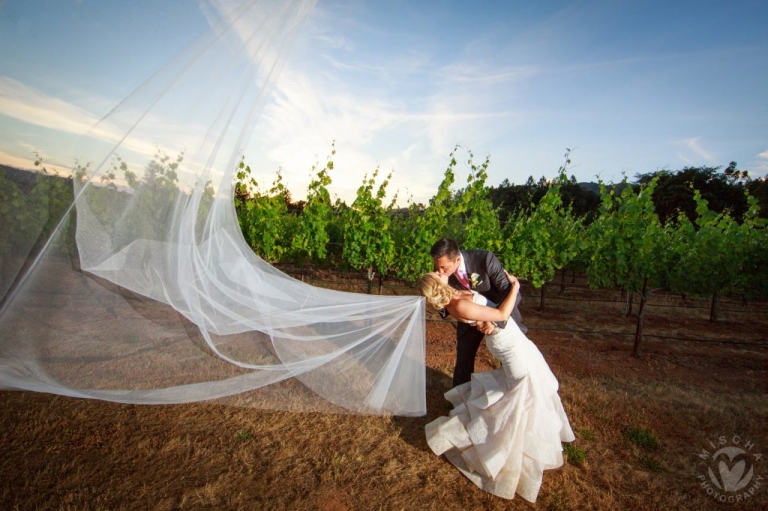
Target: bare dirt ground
(642,426)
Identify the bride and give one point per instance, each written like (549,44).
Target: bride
(507,425)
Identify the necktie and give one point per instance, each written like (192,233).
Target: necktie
(462,278)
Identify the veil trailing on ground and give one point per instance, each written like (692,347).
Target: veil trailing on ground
(144,291)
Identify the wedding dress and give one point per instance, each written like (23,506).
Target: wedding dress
(507,425)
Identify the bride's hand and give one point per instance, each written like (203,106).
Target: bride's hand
(512,279)
(486,327)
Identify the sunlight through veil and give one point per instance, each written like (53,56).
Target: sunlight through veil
(144,291)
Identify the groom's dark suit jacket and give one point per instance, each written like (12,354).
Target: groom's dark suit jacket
(493,284)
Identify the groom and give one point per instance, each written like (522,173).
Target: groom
(478,270)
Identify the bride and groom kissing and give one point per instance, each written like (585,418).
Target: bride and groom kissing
(507,425)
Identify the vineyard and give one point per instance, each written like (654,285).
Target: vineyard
(624,247)
(692,290)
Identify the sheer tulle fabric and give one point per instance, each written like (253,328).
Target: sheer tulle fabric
(160,300)
(507,425)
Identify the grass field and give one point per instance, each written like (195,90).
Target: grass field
(641,425)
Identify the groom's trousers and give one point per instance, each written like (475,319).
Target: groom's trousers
(468,339)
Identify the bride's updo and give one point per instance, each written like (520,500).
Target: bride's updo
(437,293)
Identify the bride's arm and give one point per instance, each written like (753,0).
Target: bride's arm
(471,311)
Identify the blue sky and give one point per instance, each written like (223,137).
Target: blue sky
(630,87)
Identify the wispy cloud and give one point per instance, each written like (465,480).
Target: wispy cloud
(335,41)
(35,107)
(694,145)
(304,118)
(759,167)
(471,73)
(67,123)
(375,127)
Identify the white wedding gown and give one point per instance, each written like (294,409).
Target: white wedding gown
(507,425)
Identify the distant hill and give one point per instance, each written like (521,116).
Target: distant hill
(590,187)
(595,187)
(25,179)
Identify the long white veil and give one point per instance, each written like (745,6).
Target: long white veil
(154,297)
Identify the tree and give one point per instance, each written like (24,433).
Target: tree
(368,240)
(630,247)
(264,219)
(312,237)
(546,240)
(481,228)
(752,278)
(758,188)
(673,192)
(422,226)
(716,251)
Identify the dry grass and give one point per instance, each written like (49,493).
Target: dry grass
(63,453)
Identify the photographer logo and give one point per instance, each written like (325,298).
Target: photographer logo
(731,471)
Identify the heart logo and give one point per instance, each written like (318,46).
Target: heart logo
(732,464)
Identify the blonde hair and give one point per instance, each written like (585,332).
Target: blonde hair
(437,292)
